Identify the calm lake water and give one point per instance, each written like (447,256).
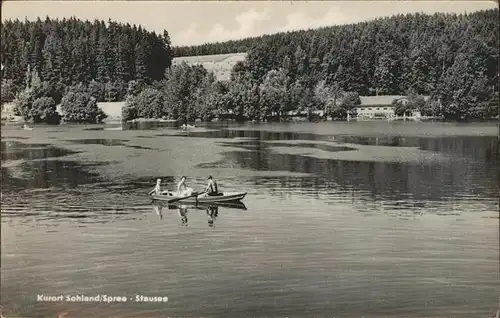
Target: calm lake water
(369,219)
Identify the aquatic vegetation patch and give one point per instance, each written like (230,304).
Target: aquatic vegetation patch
(104,142)
(140,147)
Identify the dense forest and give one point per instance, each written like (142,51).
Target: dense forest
(384,56)
(453,58)
(69,51)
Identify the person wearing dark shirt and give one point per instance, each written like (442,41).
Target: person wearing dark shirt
(211,188)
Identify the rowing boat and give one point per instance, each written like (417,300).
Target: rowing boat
(206,205)
(223,197)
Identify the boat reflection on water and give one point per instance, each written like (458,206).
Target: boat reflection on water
(157,208)
(212,210)
(183,211)
(212,213)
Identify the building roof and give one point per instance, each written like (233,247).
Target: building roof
(379,100)
(382,100)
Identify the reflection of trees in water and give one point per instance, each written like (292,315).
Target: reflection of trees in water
(147,125)
(8,181)
(41,173)
(480,148)
(12,150)
(472,171)
(259,135)
(31,154)
(46,174)
(476,146)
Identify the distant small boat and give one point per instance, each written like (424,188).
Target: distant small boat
(26,127)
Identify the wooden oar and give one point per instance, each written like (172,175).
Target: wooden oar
(195,194)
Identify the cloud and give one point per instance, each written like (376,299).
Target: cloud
(189,35)
(357,11)
(247,26)
(299,20)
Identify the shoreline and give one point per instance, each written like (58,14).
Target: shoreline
(114,121)
(113,111)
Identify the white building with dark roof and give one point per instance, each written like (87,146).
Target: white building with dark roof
(381,107)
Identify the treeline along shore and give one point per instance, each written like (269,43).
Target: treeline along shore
(452,59)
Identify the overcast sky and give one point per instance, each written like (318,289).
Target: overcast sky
(200,22)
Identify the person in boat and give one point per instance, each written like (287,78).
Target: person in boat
(182,188)
(157,189)
(211,189)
